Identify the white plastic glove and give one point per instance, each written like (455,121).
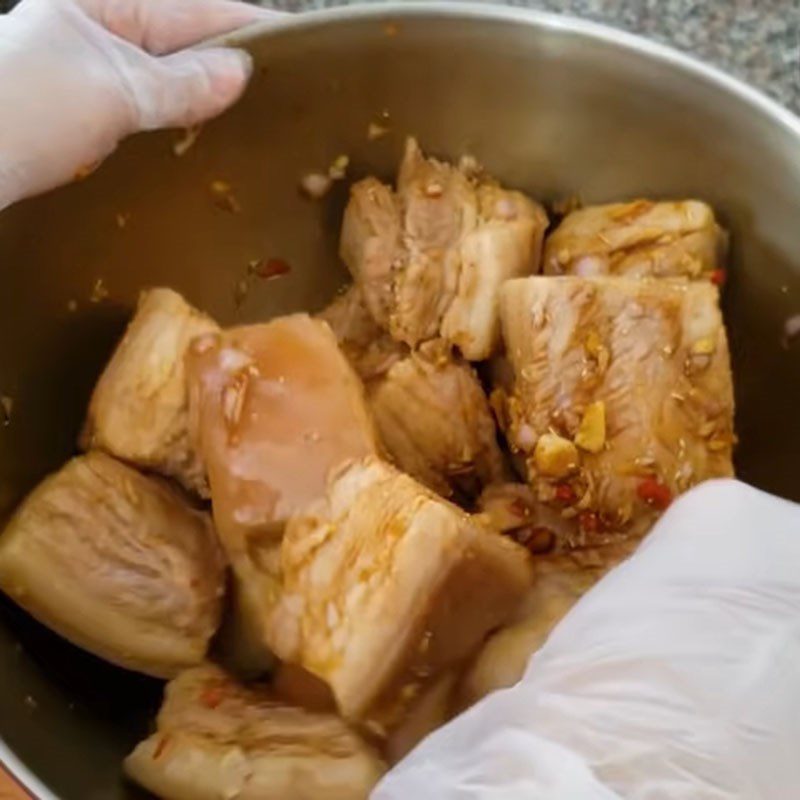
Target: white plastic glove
(676,678)
(76,76)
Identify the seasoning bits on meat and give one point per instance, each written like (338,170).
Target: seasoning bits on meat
(639,239)
(218,738)
(431,256)
(662,408)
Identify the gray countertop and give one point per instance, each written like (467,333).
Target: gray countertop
(756,40)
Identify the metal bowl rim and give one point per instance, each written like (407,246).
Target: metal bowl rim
(542,20)
(397,10)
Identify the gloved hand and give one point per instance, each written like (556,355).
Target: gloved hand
(676,678)
(76,76)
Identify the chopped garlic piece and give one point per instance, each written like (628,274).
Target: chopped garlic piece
(555,456)
(99,291)
(591,435)
(338,169)
(186,142)
(593,343)
(316,185)
(704,346)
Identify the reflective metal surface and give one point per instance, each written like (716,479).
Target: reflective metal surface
(549,105)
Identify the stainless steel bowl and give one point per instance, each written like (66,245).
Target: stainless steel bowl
(551,105)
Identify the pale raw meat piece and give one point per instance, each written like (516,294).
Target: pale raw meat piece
(638,239)
(385,586)
(274,407)
(560,580)
(430,258)
(218,739)
(434,419)
(372,246)
(429,407)
(138,411)
(117,563)
(369,348)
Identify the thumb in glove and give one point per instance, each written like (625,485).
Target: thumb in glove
(87,73)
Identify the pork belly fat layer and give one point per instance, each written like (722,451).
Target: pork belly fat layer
(274,407)
(216,738)
(138,410)
(638,239)
(430,258)
(386,585)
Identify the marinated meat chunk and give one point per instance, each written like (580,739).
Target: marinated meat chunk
(638,239)
(274,407)
(369,349)
(560,580)
(508,506)
(118,564)
(218,739)
(371,245)
(385,586)
(429,407)
(513,509)
(428,711)
(430,258)
(138,411)
(622,395)
(435,422)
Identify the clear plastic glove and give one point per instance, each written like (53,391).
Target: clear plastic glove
(79,75)
(676,678)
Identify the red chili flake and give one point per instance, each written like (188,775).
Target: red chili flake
(519,508)
(269,268)
(160,747)
(589,521)
(211,696)
(565,494)
(537,539)
(654,493)
(719,277)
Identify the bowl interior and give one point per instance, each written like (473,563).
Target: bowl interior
(549,107)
